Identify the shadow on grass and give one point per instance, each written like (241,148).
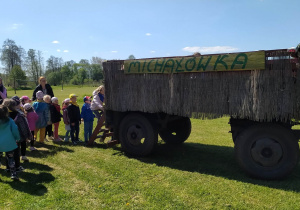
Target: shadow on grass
(212,160)
(31,183)
(44,150)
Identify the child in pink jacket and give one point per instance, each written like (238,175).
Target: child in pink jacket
(32,117)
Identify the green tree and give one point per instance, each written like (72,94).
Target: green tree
(82,75)
(84,61)
(33,62)
(131,57)
(74,80)
(66,74)
(54,64)
(11,55)
(96,60)
(97,72)
(54,78)
(17,76)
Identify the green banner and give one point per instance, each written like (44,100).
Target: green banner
(205,63)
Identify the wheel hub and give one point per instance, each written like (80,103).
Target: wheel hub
(134,135)
(266,152)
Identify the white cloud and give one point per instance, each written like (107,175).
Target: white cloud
(209,50)
(55,42)
(15,26)
(58,50)
(66,51)
(152,51)
(114,51)
(148,34)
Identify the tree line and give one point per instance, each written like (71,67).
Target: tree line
(22,67)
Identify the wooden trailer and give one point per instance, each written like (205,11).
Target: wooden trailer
(259,91)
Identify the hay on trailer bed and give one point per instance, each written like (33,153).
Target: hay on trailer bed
(260,95)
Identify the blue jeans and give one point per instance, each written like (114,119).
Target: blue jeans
(88,130)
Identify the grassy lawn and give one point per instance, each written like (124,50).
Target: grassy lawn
(200,174)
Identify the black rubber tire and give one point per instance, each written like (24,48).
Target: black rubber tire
(177,131)
(137,135)
(267,151)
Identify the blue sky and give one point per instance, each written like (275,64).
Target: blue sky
(115,29)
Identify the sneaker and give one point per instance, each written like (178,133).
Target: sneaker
(51,137)
(20,169)
(33,149)
(66,140)
(14,177)
(24,158)
(46,140)
(74,143)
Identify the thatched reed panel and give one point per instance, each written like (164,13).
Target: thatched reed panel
(260,95)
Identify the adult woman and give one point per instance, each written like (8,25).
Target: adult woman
(44,87)
(3,93)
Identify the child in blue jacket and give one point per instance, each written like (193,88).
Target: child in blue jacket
(88,118)
(8,139)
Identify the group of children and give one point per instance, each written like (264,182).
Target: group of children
(20,122)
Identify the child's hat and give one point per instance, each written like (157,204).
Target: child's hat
(39,95)
(54,99)
(16,99)
(86,98)
(25,98)
(27,106)
(72,95)
(67,100)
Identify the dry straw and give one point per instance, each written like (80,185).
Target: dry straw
(260,95)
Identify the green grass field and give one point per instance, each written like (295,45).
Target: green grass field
(200,174)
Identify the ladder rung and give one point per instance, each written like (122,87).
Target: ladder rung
(104,130)
(108,134)
(112,143)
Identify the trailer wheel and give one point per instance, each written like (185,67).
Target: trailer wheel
(176,131)
(267,151)
(137,135)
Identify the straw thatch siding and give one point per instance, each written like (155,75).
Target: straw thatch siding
(260,95)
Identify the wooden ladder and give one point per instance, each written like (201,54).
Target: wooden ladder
(105,134)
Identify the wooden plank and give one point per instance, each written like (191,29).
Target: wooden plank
(206,63)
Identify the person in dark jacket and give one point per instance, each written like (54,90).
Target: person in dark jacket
(44,87)
(88,118)
(74,117)
(55,117)
(22,143)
